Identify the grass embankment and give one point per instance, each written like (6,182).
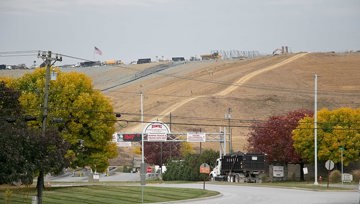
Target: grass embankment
(102,194)
(297,185)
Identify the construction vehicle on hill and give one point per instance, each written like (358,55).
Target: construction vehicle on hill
(282,50)
(213,56)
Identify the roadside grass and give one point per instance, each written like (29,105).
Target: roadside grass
(310,185)
(92,194)
(296,185)
(130,192)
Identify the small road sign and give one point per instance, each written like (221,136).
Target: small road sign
(204,168)
(329,165)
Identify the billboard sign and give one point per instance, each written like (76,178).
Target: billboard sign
(278,171)
(196,137)
(136,137)
(156,131)
(118,138)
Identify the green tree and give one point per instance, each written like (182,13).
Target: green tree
(13,165)
(189,168)
(85,114)
(336,129)
(24,151)
(209,156)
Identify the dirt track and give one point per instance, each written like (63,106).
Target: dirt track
(226,91)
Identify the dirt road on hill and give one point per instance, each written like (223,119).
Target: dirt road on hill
(251,75)
(227,90)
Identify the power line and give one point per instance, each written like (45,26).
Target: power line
(19,52)
(222,125)
(73,57)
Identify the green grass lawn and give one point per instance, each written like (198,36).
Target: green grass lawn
(102,194)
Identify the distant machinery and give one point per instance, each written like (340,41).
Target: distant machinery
(282,50)
(112,62)
(89,64)
(144,60)
(178,59)
(236,54)
(212,56)
(194,58)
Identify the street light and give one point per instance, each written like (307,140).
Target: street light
(315,130)
(228,117)
(342,165)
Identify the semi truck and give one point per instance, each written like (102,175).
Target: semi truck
(239,167)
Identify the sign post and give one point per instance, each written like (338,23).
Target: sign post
(342,165)
(204,169)
(329,165)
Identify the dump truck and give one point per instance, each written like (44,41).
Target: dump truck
(239,167)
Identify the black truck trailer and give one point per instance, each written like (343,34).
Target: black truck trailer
(239,167)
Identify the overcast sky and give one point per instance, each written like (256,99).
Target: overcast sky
(132,29)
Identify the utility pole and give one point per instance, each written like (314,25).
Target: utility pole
(49,61)
(170,142)
(142,167)
(228,117)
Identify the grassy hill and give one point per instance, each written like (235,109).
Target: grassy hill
(196,93)
(200,93)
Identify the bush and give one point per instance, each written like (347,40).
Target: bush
(356,175)
(335,176)
(126,169)
(189,168)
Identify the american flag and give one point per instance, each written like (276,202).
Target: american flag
(97,51)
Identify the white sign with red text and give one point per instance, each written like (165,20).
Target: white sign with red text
(196,137)
(156,131)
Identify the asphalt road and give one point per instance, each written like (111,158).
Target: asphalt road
(261,195)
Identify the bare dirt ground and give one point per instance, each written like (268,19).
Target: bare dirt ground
(200,93)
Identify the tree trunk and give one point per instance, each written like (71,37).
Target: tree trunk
(40,186)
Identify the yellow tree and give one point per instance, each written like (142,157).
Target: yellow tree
(337,129)
(185,149)
(83,115)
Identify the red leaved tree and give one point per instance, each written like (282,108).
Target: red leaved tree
(273,137)
(159,153)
